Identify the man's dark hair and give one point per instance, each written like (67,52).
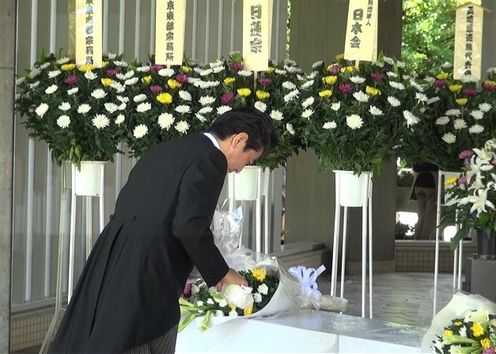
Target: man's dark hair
(258,125)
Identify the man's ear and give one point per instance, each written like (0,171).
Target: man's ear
(240,138)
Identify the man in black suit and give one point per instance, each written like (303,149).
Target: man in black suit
(126,299)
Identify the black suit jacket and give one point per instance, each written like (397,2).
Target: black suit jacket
(128,291)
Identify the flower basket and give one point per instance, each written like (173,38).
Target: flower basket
(351,187)
(89,178)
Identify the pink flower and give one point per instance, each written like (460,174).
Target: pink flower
(335,69)
(71,80)
(488,85)
(156,68)
(439,83)
(264,81)
(469,91)
(155,89)
(345,88)
(227,98)
(462,180)
(493,161)
(181,78)
(186,291)
(378,76)
(465,154)
(236,66)
(112,72)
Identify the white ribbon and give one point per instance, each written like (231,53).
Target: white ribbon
(307,277)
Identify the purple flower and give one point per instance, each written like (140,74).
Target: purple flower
(236,66)
(227,98)
(462,180)
(335,69)
(378,76)
(439,83)
(112,72)
(493,161)
(156,68)
(465,154)
(71,80)
(264,81)
(186,290)
(488,85)
(491,350)
(181,78)
(155,89)
(345,88)
(469,91)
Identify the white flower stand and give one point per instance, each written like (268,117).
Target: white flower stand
(353,191)
(458,254)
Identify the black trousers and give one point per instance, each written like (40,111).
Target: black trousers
(163,344)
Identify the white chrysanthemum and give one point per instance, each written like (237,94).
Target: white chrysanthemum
(293,69)
(485,107)
(205,110)
(98,93)
(44,65)
(262,107)
(84,108)
(391,74)
(411,119)
(308,102)
(357,79)
(400,64)
(330,125)
(72,91)
(432,100)
(378,64)
(53,73)
(200,117)
(477,114)
(317,64)
(185,95)
(449,138)
(245,73)
(416,86)
(280,72)
(131,81)
(129,74)
(375,111)
(421,97)
(288,85)
(63,121)
(100,121)
(143,69)
(361,96)
(290,129)
(307,84)
(428,79)
(34,85)
(291,96)
(388,60)
(307,113)
(459,124)
(453,112)
(122,106)
(204,72)
(216,63)
(120,76)
(182,109)
(112,56)
(476,129)
(257,297)
(139,98)
(124,99)
(182,127)
(354,121)
(33,73)
(263,289)
(64,106)
(223,109)
(311,76)
(140,131)
(111,107)
(218,69)
(206,100)
(442,120)
(335,106)
(446,65)
(276,115)
(144,107)
(51,89)
(20,80)
(63,60)
(396,85)
(166,72)
(120,63)
(165,120)
(117,86)
(120,119)
(90,75)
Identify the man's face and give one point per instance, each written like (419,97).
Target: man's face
(237,156)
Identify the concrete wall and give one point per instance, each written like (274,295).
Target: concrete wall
(488,42)
(7,67)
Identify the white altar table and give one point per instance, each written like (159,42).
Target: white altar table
(305,331)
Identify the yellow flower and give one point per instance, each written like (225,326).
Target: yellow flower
(477,329)
(486,342)
(340,57)
(457,323)
(447,333)
(331,79)
(372,91)
(229,81)
(262,95)
(462,101)
(86,67)
(348,69)
(325,93)
(105,64)
(173,83)
(259,273)
(185,69)
(232,307)
(147,79)
(68,67)
(442,76)
(455,88)
(270,70)
(449,182)
(248,311)
(106,81)
(164,98)
(244,92)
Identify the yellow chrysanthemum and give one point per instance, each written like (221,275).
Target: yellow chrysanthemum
(185,69)
(105,64)
(457,323)
(68,67)
(270,69)
(372,91)
(147,79)
(248,311)
(245,92)
(447,333)
(173,84)
(477,329)
(229,81)
(462,101)
(442,76)
(348,69)
(262,95)
(449,182)
(259,273)
(486,343)
(331,79)
(86,67)
(455,88)
(490,83)
(164,98)
(325,93)
(106,81)
(340,57)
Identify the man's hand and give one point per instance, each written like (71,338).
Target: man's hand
(232,277)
